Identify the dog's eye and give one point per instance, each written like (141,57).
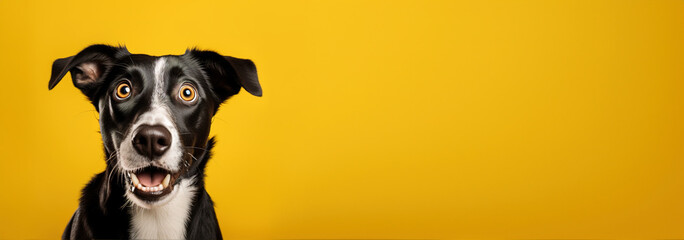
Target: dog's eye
(123,90)
(187,93)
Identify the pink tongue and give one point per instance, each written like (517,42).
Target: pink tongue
(151,179)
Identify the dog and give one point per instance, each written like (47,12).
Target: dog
(155,113)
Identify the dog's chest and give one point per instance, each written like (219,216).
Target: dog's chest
(164,222)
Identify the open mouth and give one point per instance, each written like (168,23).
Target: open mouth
(151,183)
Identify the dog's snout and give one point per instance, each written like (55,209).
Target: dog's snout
(152,141)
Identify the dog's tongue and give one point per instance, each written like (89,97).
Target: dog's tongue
(151,178)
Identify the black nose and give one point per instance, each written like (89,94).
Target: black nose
(152,141)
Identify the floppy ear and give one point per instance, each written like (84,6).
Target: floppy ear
(87,67)
(228,74)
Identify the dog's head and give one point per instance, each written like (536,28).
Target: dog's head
(155,112)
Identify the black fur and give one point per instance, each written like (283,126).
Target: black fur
(102,212)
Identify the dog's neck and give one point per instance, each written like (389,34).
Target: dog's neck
(167,221)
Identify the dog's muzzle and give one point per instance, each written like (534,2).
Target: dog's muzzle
(152,179)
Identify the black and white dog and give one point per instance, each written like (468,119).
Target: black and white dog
(155,116)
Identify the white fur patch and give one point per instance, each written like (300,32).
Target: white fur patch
(166,221)
(159,85)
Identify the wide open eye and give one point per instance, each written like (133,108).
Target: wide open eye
(187,93)
(123,90)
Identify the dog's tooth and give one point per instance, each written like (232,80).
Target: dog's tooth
(165,183)
(134,179)
(160,187)
(146,189)
(140,186)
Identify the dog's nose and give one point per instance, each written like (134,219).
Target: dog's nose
(152,141)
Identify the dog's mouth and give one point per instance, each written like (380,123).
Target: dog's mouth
(151,183)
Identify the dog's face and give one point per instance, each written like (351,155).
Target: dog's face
(155,112)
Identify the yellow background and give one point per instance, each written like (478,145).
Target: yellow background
(380,119)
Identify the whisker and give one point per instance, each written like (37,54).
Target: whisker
(197,148)
(111,156)
(212,120)
(193,157)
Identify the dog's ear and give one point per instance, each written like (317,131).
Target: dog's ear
(87,67)
(228,74)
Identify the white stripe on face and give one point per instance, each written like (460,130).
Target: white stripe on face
(159,83)
(158,114)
